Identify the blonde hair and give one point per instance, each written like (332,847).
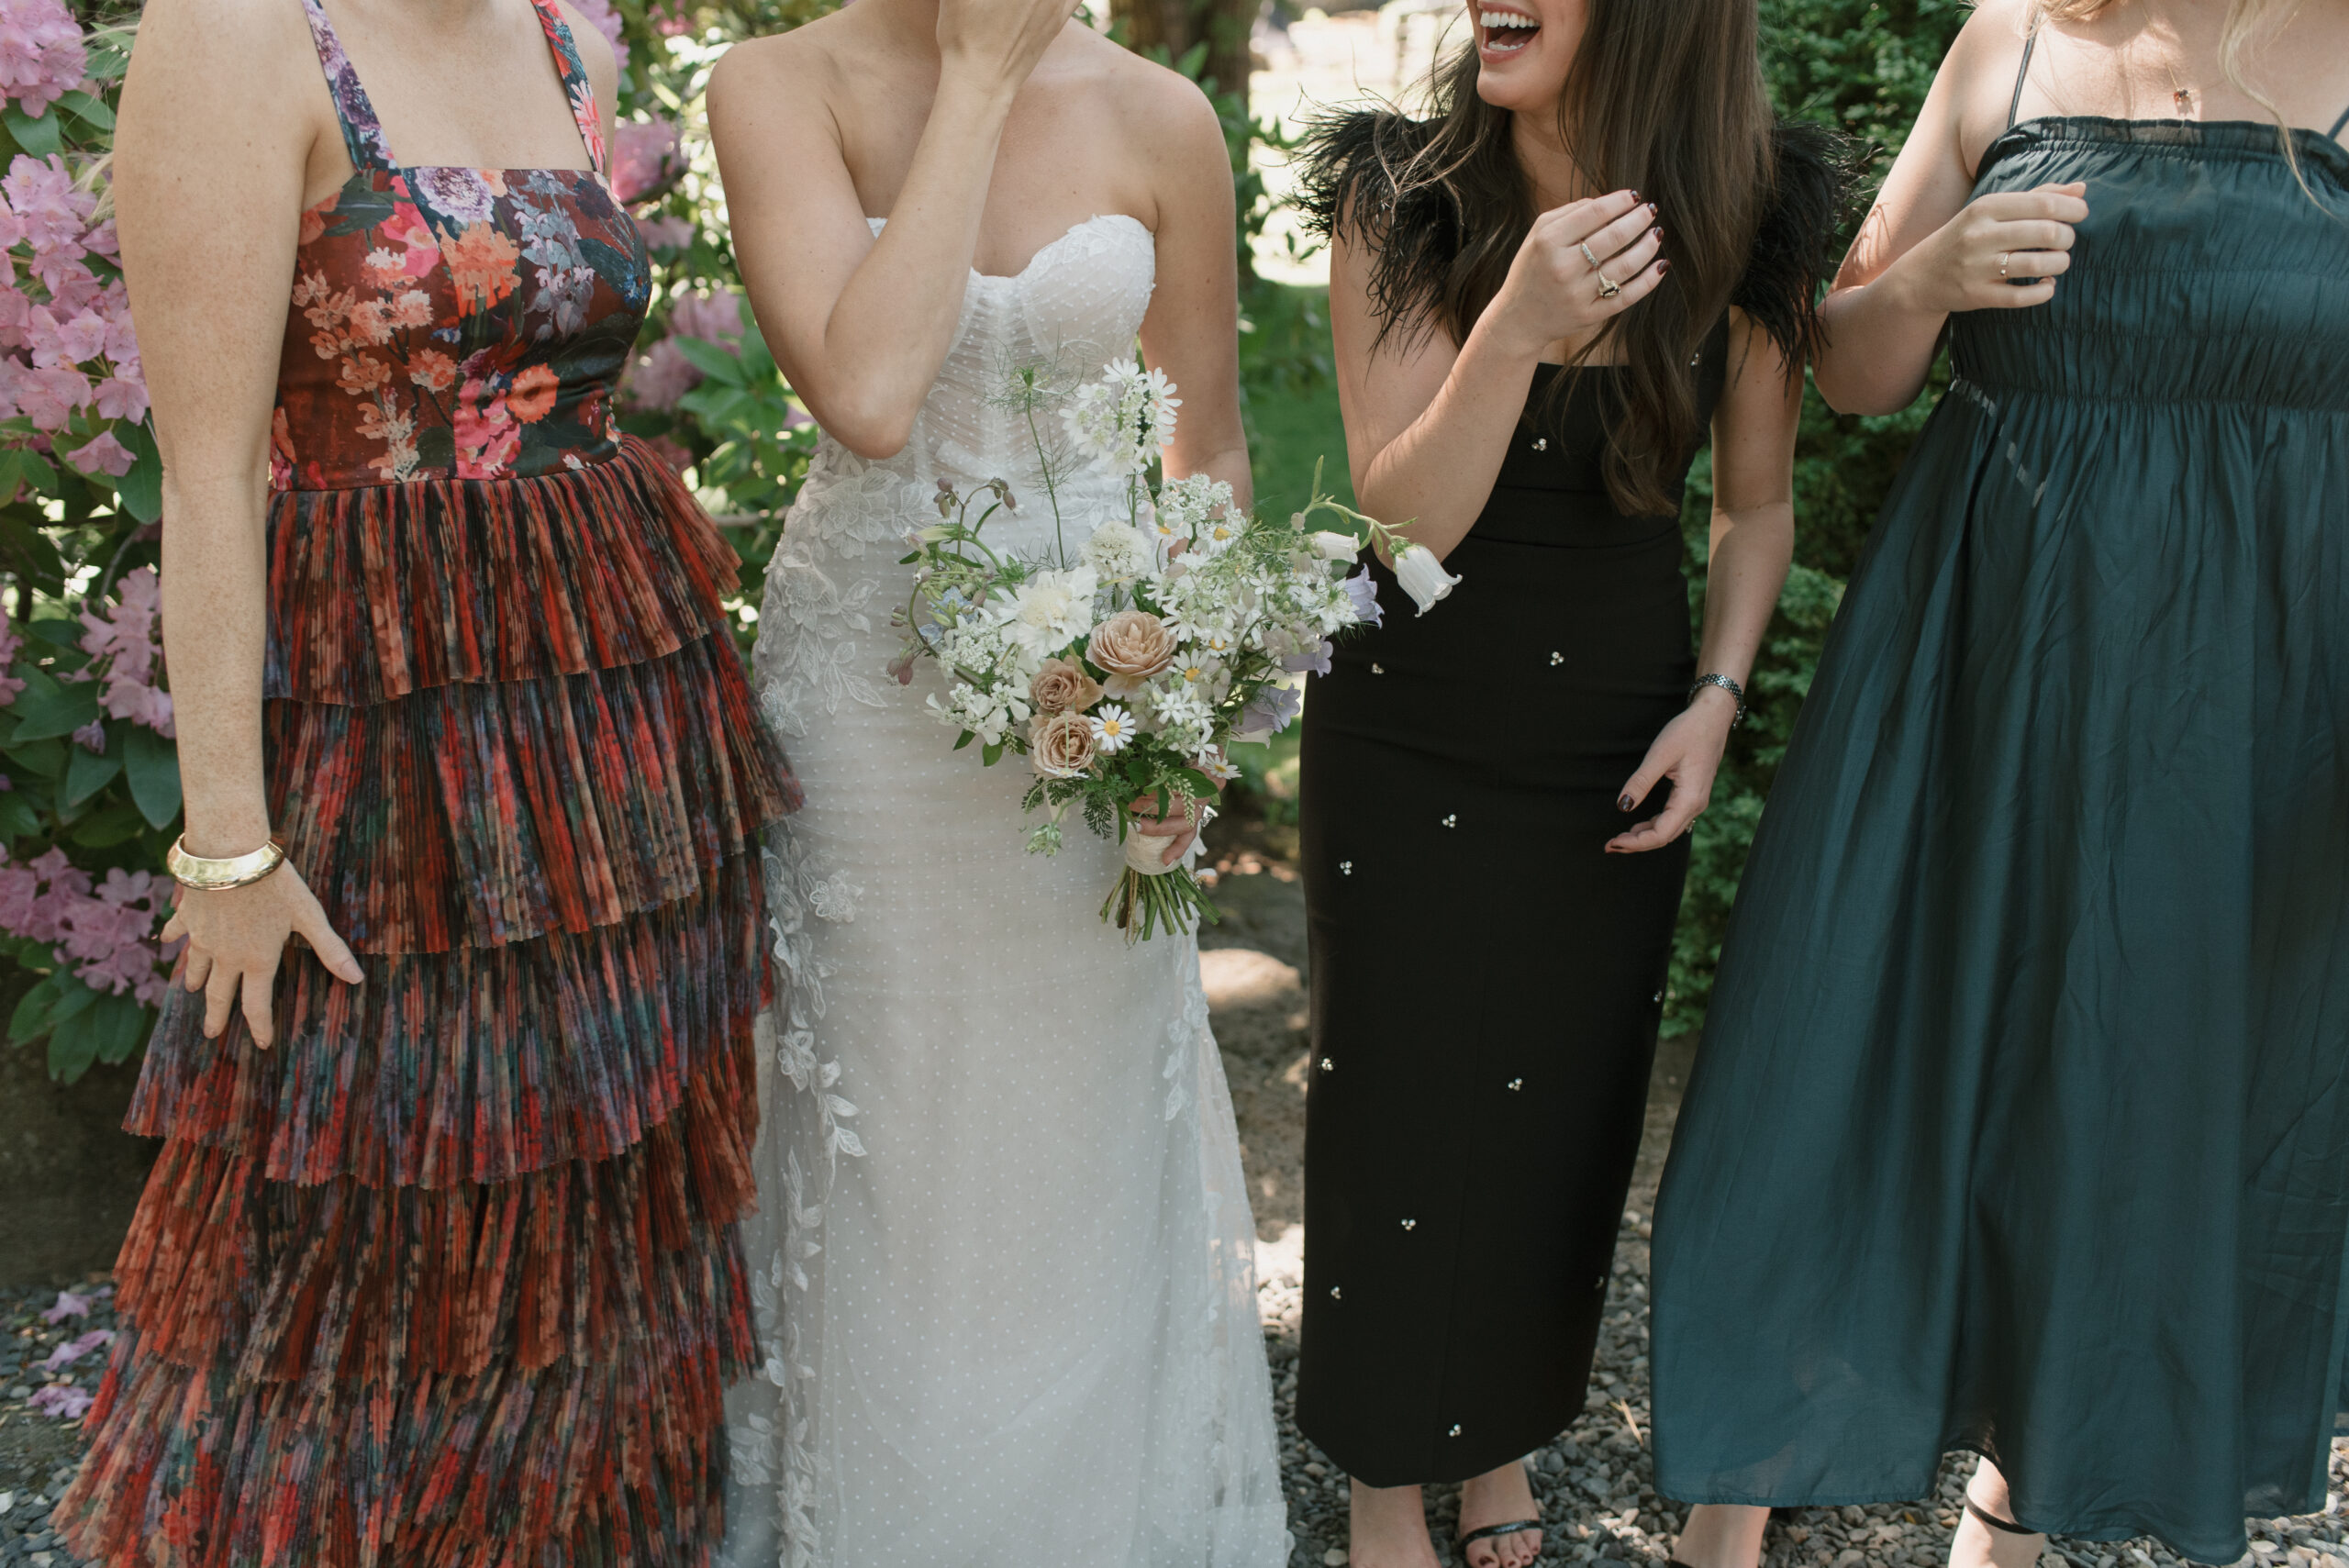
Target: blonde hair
(2246,21)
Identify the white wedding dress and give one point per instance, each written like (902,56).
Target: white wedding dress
(1004,1264)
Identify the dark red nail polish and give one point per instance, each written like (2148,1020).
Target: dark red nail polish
(1623,803)
(1662,267)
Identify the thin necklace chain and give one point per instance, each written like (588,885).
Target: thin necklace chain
(2180,94)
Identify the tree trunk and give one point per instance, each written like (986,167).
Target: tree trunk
(1176,25)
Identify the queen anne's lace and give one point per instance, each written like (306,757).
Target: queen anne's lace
(1004,1270)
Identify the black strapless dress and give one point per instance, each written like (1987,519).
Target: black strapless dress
(1485,980)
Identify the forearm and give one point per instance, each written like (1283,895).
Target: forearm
(1752,549)
(890,331)
(1439,473)
(1877,342)
(215,624)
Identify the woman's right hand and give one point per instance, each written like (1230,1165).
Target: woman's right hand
(236,939)
(1967,263)
(1553,291)
(998,41)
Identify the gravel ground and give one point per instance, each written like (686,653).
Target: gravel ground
(39,1443)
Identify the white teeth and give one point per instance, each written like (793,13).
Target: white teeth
(1494,21)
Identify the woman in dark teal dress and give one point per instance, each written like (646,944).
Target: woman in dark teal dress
(2021,1124)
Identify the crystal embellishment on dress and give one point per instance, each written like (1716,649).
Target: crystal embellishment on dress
(1345,868)
(1452,820)
(1328,1065)
(1541,443)
(1516,1083)
(1334,1294)
(1377,668)
(1410,1225)
(1455,1429)
(1557,659)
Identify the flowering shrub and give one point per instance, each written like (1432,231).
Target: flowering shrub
(89,775)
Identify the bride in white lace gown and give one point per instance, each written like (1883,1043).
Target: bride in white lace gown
(1005,1263)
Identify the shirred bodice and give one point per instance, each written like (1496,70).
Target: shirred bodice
(2174,296)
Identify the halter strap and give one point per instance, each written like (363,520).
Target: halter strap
(363,134)
(2022,72)
(576,88)
(2339,126)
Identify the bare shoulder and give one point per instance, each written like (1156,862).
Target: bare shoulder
(1153,100)
(784,67)
(594,52)
(189,36)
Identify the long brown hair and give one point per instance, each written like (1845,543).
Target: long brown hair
(1664,98)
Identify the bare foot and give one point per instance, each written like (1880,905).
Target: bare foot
(1387,1526)
(1501,1498)
(1976,1544)
(1721,1535)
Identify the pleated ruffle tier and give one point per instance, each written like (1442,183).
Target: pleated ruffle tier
(450,1276)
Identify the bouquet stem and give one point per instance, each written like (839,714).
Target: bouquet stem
(1173,901)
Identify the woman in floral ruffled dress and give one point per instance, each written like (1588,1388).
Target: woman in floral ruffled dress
(439,1265)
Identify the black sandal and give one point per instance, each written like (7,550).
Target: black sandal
(1995,1522)
(1493,1532)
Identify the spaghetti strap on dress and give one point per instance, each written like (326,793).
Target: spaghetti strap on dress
(449,1277)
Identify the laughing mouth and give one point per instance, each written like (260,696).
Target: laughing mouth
(1506,32)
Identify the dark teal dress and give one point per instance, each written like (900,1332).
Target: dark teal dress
(2021,1123)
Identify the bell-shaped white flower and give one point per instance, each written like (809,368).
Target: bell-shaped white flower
(1422,576)
(1331,545)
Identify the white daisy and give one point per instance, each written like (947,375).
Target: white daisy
(1113,726)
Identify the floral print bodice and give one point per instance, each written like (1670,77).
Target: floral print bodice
(452,323)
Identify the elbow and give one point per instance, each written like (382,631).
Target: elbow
(1847,397)
(875,430)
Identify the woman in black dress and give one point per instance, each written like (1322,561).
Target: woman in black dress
(1542,296)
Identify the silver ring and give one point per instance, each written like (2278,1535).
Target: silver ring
(1584,245)
(1608,288)
(2003,257)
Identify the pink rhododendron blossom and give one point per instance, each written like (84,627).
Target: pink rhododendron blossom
(665,233)
(41,192)
(74,1350)
(107,935)
(124,639)
(61,1400)
(102,239)
(122,397)
(92,737)
(103,454)
(714,317)
(43,57)
(646,155)
(58,339)
(45,397)
(659,377)
(69,1304)
(606,21)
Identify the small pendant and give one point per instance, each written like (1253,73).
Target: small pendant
(2184,98)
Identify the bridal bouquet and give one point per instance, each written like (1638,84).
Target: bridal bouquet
(1126,670)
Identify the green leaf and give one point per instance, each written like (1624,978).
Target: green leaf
(39,473)
(44,759)
(34,1010)
(110,824)
(41,716)
(118,1023)
(17,817)
(962,740)
(142,488)
(992,755)
(719,364)
(73,1047)
(39,137)
(33,548)
(154,766)
(48,1005)
(88,110)
(88,772)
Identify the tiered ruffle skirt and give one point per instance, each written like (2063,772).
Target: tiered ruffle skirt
(449,1278)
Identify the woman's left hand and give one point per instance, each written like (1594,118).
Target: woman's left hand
(1689,752)
(1181,824)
